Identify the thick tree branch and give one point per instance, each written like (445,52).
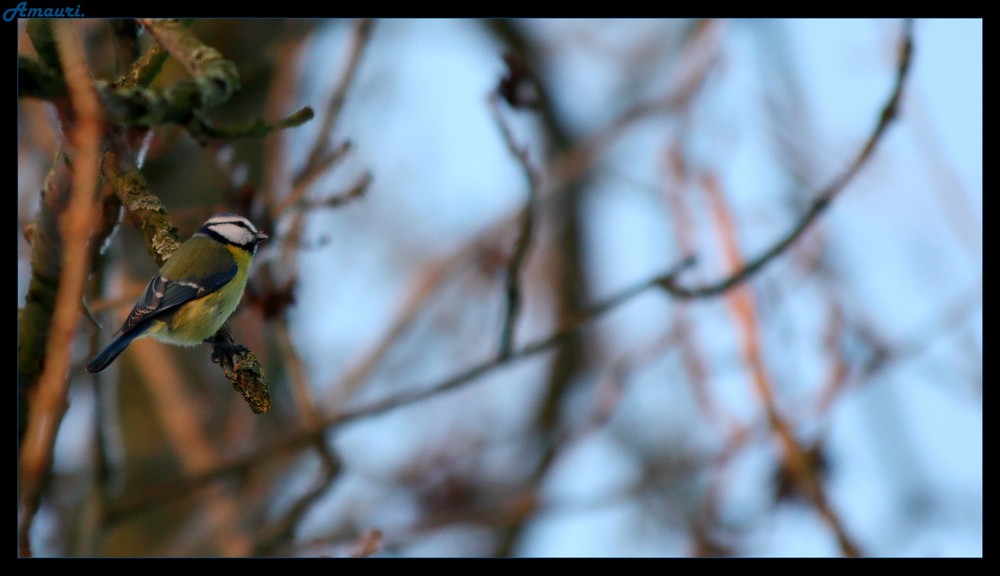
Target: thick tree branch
(37,81)
(216,79)
(129,101)
(75,225)
(126,35)
(144,70)
(40,32)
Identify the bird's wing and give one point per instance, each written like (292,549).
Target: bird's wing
(163,294)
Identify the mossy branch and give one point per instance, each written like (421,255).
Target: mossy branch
(144,70)
(254,128)
(35,80)
(40,33)
(216,79)
(126,42)
(241,366)
(147,211)
(35,318)
(129,100)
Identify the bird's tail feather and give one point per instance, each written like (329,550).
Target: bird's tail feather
(108,355)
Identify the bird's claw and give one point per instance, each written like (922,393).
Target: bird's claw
(221,349)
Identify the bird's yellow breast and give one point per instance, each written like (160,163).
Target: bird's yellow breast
(193,322)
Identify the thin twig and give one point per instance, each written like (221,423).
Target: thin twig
(321,158)
(352,193)
(280,97)
(202,130)
(956,203)
(570,328)
(685,231)
(823,199)
(737,438)
(796,460)
(305,179)
(523,243)
(360,34)
(836,379)
(931,330)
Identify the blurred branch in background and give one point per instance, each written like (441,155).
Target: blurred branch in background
(512,282)
(71,207)
(798,466)
(447,395)
(825,196)
(419,393)
(324,156)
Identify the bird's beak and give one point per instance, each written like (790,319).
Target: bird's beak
(261,236)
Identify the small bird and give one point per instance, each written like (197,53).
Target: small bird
(195,291)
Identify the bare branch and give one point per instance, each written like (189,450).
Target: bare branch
(569,329)
(305,181)
(532,175)
(321,158)
(354,192)
(417,293)
(823,199)
(360,35)
(799,466)
(37,81)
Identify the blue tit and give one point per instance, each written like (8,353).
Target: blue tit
(196,290)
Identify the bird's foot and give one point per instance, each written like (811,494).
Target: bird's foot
(220,349)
